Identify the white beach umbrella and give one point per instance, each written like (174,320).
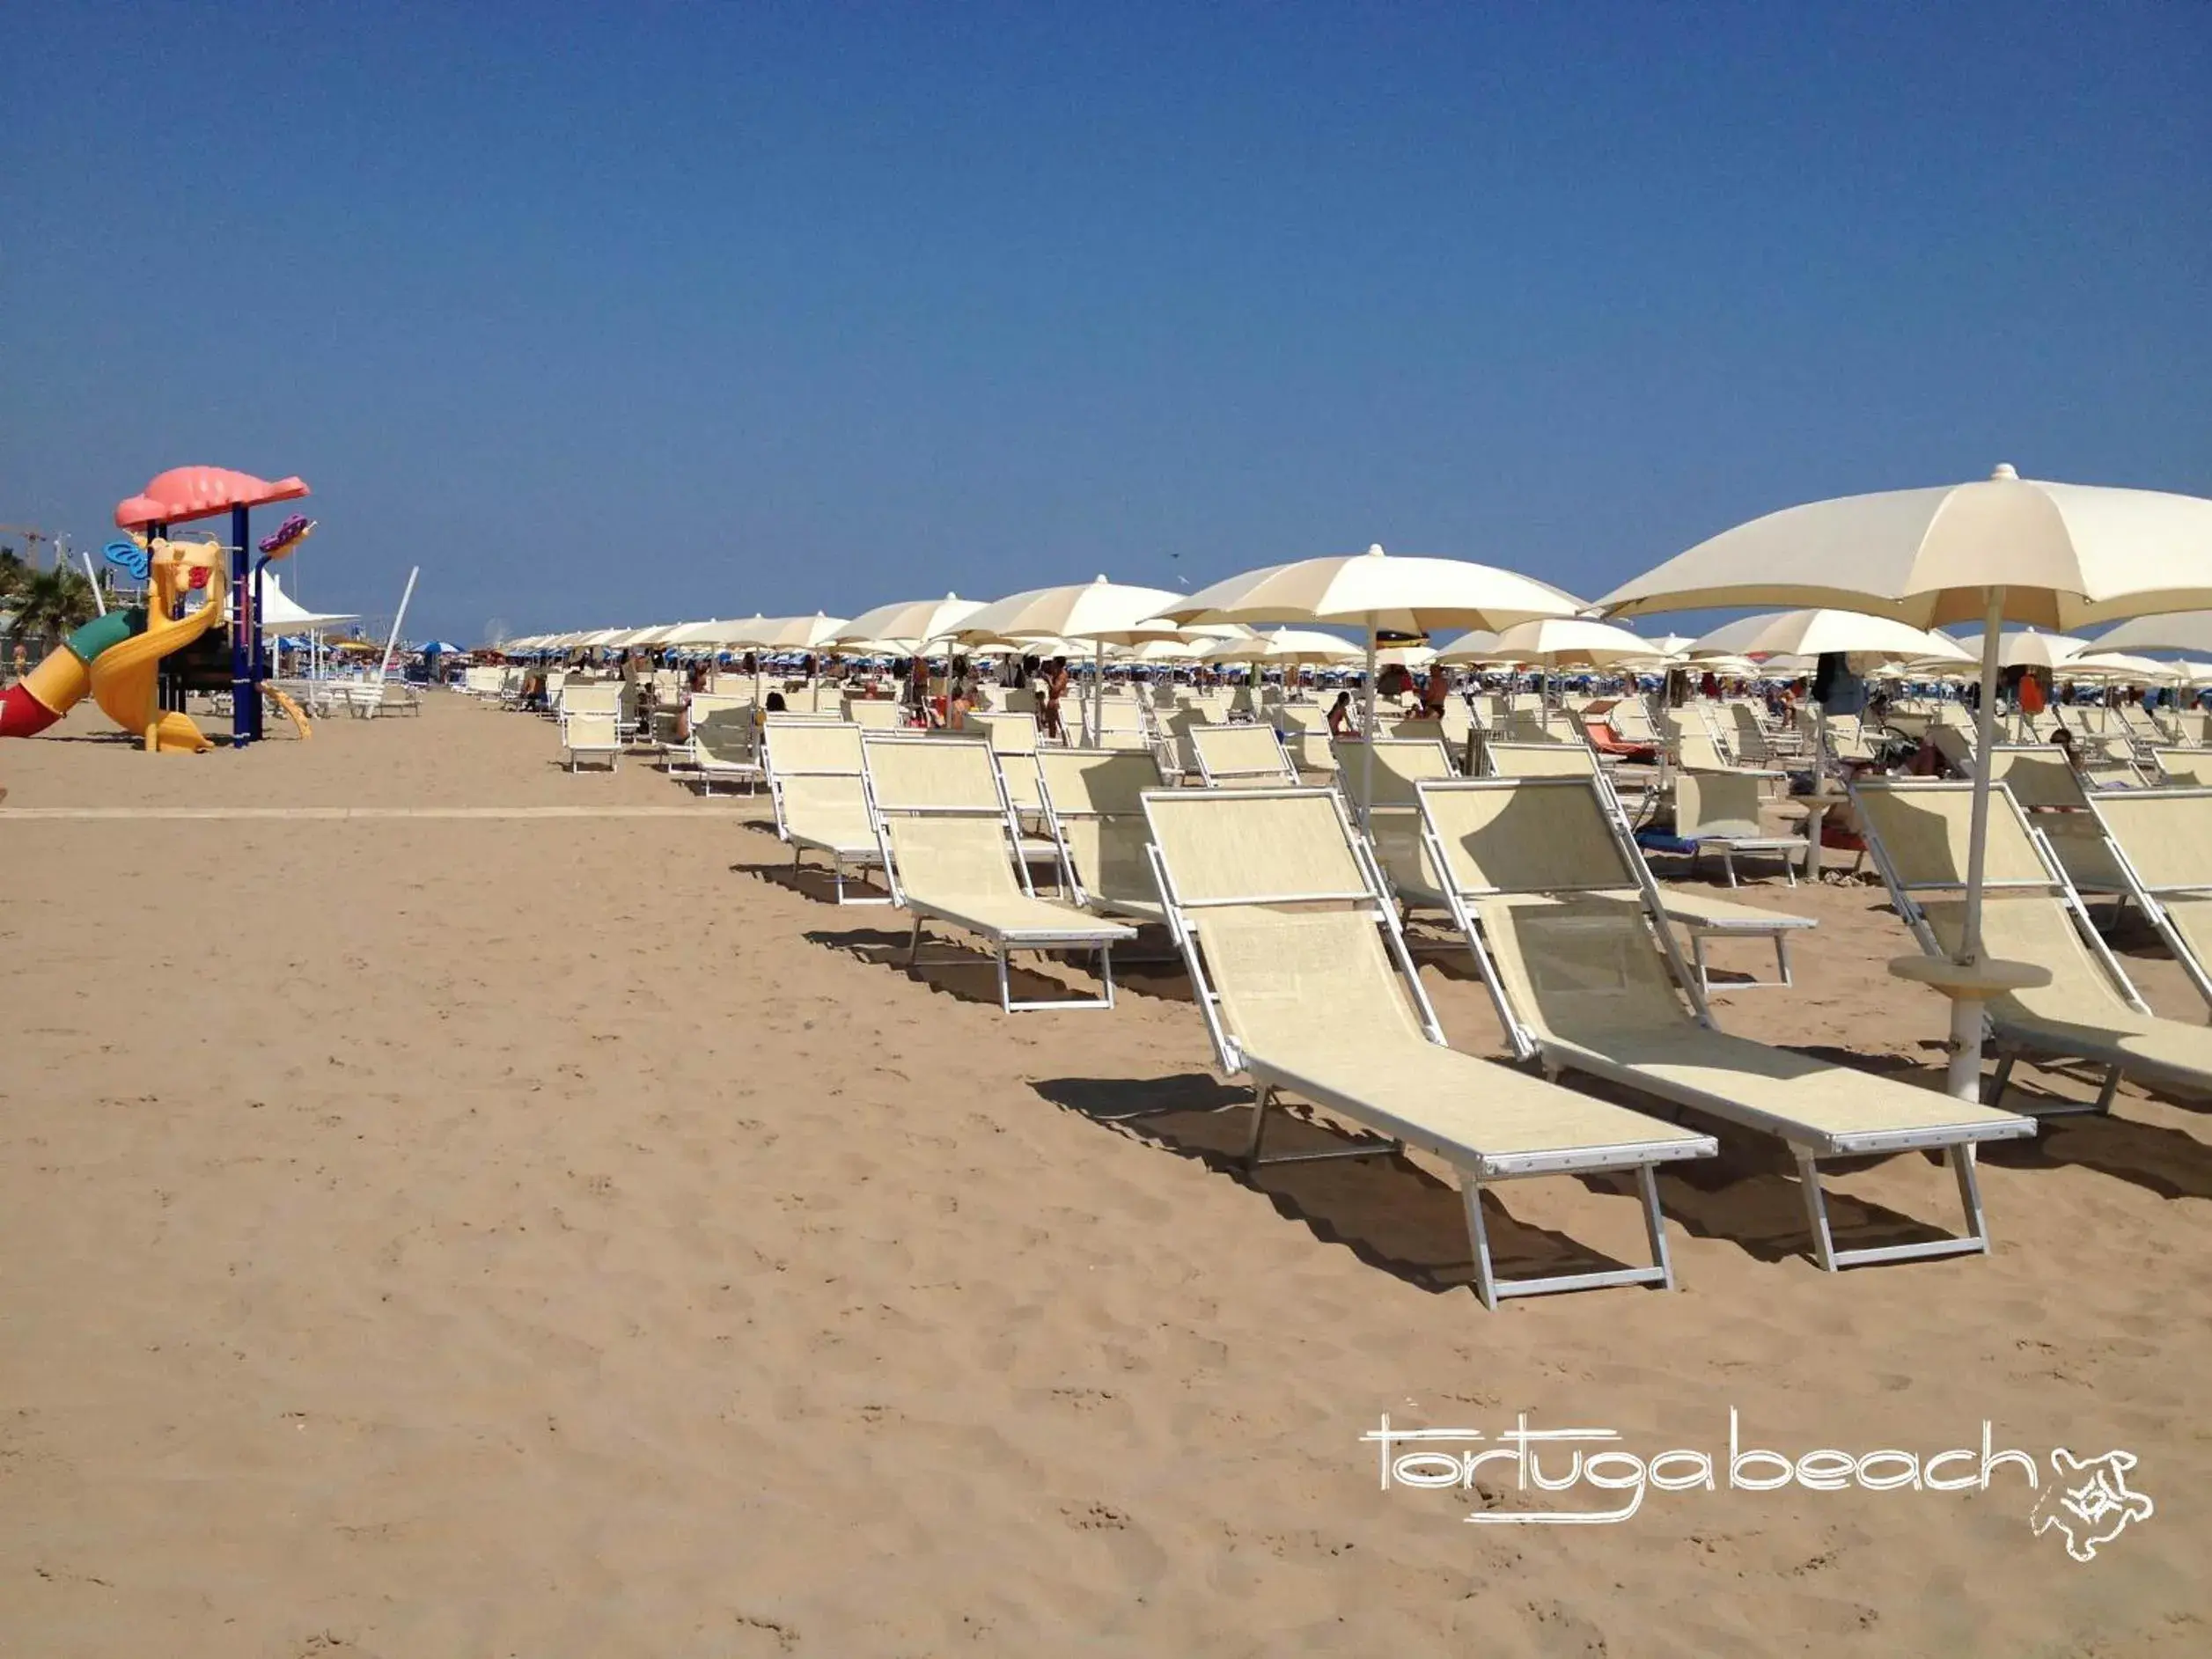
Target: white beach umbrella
(1815,632)
(2109,665)
(2007,549)
(791,633)
(1282,645)
(915,623)
(2025,647)
(1381,594)
(1476,645)
(1571,641)
(1098,612)
(2181,631)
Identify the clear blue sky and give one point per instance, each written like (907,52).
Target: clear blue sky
(623,315)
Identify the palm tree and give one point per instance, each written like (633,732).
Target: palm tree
(13,572)
(52,603)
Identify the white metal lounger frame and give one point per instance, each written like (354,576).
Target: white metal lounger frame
(2010,1046)
(1044,940)
(2152,899)
(776,778)
(1056,817)
(1185,920)
(1959,1153)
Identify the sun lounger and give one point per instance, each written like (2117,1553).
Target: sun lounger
(814,772)
(953,851)
(874,714)
(1719,812)
(1571,936)
(1307,988)
(1240,757)
(2161,841)
(590,734)
(1918,835)
(1094,808)
(1394,820)
(724,740)
(1699,914)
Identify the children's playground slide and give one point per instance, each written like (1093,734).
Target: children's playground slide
(117,658)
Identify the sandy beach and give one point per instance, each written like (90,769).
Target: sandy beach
(568,1235)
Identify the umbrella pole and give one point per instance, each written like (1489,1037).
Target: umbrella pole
(1965,1075)
(1098,691)
(1367,754)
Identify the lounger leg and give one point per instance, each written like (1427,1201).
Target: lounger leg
(1781,957)
(1106,970)
(1261,1100)
(1962,1165)
(1817,1211)
(1655,1223)
(1728,864)
(1005,990)
(1485,1281)
(914,946)
(2005,1076)
(2111,1087)
(1697,960)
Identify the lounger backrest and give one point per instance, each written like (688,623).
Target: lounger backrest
(1418,731)
(933,775)
(1541,761)
(2189,767)
(1717,804)
(1289,918)
(1632,720)
(2167,835)
(1255,847)
(1241,754)
(1696,750)
(1924,831)
(2021,926)
(1538,835)
(1585,968)
(951,857)
(594,730)
(1013,740)
(723,730)
(876,713)
(604,698)
(1097,802)
(2037,775)
(1400,763)
(811,748)
(1751,737)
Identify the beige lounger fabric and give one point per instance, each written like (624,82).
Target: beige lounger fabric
(815,766)
(1240,757)
(1098,809)
(2167,837)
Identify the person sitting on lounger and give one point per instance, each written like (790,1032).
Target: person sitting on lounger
(1341,725)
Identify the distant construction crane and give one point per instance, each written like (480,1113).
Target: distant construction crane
(32,536)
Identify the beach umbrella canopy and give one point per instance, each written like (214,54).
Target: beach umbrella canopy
(1098,612)
(1381,593)
(2117,665)
(1476,645)
(790,633)
(1814,632)
(441,648)
(2025,647)
(1113,612)
(2179,631)
(1282,645)
(1571,641)
(2005,549)
(912,623)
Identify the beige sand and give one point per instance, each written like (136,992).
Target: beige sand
(560,1235)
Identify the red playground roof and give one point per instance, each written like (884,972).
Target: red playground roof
(186,493)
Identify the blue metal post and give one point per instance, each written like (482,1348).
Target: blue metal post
(245,702)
